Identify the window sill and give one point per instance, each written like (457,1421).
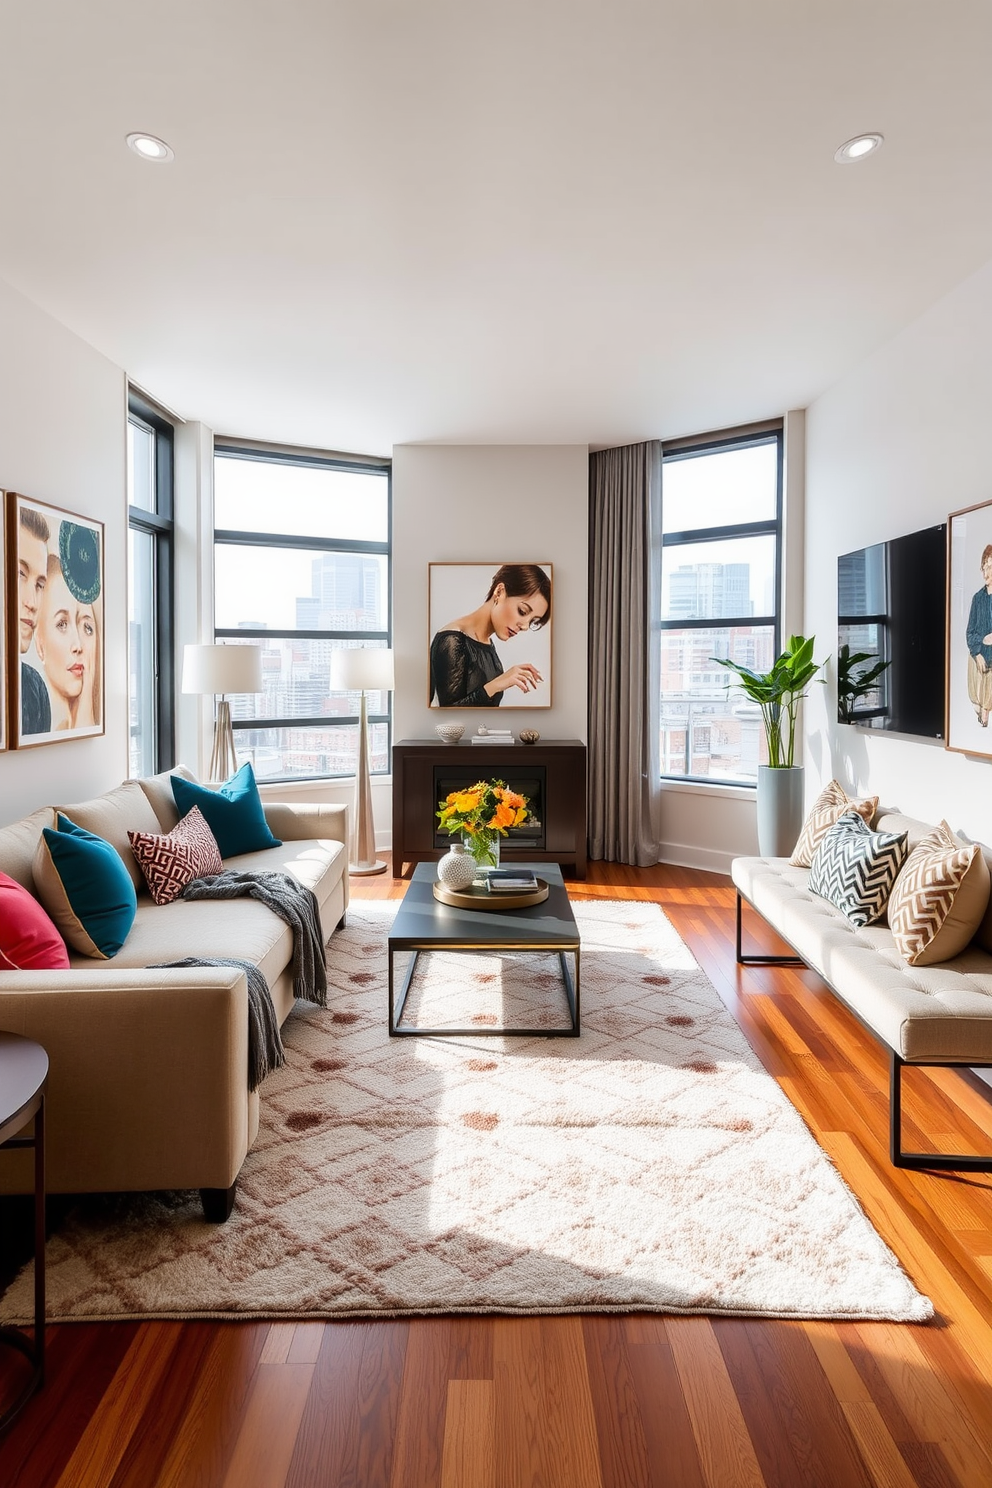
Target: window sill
(718,790)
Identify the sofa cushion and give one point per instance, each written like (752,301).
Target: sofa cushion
(86,889)
(158,789)
(239,928)
(19,845)
(855,868)
(939,898)
(829,806)
(169,862)
(28,939)
(233,812)
(112,816)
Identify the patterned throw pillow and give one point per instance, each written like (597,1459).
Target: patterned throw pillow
(939,899)
(829,806)
(171,862)
(855,868)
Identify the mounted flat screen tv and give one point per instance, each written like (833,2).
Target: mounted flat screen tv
(891,607)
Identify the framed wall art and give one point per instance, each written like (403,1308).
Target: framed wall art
(968,725)
(490,635)
(55,620)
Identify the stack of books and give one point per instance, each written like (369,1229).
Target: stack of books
(511,880)
(494,736)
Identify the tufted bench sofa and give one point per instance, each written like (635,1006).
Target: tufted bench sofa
(925,1015)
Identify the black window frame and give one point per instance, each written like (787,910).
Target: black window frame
(160,526)
(711,444)
(232,449)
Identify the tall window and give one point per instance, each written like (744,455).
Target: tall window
(150,588)
(302,566)
(720,598)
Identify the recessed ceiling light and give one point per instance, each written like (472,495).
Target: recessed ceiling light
(857,148)
(150,148)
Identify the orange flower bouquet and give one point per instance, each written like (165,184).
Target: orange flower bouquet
(480,815)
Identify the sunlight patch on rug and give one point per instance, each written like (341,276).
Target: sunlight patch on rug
(651,1164)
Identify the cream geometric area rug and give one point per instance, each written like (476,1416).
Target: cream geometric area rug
(651,1164)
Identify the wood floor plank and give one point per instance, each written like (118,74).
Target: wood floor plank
(620,1426)
(888,1467)
(423,1399)
(81,1362)
(673,1456)
(726,1451)
(265,1443)
(570,1421)
(519,1394)
(203,1437)
(469,1452)
(926,1404)
(132,1390)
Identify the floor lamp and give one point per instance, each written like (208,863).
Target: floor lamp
(363,669)
(216,670)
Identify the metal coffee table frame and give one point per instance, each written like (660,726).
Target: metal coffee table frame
(424,924)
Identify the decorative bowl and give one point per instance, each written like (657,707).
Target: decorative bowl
(529,736)
(449,733)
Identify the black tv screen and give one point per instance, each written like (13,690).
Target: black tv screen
(891,607)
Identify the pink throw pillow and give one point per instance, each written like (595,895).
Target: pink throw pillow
(171,862)
(28,939)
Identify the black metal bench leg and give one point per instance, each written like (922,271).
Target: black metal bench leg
(743,960)
(941,1161)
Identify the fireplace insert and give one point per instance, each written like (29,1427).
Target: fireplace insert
(531,783)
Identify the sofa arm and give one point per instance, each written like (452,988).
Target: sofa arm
(148,1084)
(307,820)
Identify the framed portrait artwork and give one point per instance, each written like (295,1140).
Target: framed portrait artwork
(968,725)
(490,635)
(55,623)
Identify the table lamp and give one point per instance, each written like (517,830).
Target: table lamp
(218,670)
(363,669)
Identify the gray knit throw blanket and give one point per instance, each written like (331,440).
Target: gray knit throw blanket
(287,898)
(298,907)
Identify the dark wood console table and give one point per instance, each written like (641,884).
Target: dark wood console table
(560,762)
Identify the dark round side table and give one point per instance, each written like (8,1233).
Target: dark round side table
(23,1077)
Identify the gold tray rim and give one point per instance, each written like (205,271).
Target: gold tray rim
(482,899)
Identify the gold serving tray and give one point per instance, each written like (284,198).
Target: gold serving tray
(478,898)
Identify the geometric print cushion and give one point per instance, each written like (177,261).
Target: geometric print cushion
(939,899)
(855,868)
(829,806)
(171,862)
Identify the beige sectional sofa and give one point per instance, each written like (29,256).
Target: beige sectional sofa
(148,1080)
(926,1015)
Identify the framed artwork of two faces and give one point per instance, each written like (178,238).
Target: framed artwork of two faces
(53,618)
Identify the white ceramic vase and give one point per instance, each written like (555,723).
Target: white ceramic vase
(456,870)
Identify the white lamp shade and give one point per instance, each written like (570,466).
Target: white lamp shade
(220,669)
(362,669)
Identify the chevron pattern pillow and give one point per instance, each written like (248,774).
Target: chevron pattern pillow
(171,862)
(939,899)
(829,806)
(855,868)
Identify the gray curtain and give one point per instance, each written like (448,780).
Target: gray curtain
(624,665)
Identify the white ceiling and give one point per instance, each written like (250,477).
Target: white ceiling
(521,221)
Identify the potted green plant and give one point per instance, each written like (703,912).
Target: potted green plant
(852,685)
(778,694)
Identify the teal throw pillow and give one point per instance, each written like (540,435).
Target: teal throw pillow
(83,884)
(233,813)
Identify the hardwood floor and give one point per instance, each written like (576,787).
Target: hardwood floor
(608,1402)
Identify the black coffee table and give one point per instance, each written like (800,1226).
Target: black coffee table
(423,924)
(23,1081)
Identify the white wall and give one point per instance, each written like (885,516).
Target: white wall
(480,504)
(63,416)
(895,446)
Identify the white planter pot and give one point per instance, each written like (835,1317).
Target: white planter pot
(780,810)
